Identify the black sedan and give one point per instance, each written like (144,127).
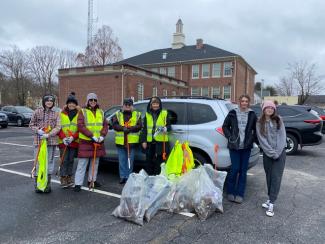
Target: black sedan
(18,115)
(303,127)
(3,120)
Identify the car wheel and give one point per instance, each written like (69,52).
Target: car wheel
(4,126)
(199,159)
(292,144)
(19,122)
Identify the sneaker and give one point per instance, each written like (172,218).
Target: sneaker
(70,181)
(123,180)
(266,204)
(239,199)
(231,198)
(64,181)
(96,184)
(77,188)
(269,212)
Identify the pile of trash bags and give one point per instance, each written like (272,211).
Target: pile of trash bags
(198,190)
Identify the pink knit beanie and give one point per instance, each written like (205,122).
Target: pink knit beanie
(268,104)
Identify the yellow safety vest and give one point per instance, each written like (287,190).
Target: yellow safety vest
(161,122)
(133,137)
(93,123)
(68,126)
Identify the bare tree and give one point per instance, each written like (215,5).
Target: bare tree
(285,87)
(67,59)
(43,66)
(103,50)
(13,64)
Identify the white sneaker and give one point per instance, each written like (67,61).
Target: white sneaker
(269,212)
(266,204)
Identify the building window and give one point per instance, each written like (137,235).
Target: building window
(140,89)
(154,70)
(181,93)
(173,93)
(195,91)
(205,91)
(165,92)
(205,70)
(162,71)
(154,91)
(215,92)
(227,69)
(171,71)
(227,92)
(216,70)
(195,71)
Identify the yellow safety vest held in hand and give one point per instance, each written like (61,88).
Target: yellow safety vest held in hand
(161,122)
(132,137)
(68,126)
(93,123)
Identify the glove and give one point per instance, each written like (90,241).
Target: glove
(94,139)
(44,136)
(70,139)
(66,141)
(164,129)
(100,139)
(126,130)
(40,132)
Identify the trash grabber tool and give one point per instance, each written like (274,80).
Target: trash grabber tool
(186,159)
(127,125)
(61,161)
(216,149)
(35,160)
(92,183)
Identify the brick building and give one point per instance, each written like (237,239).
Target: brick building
(198,70)
(112,83)
(209,71)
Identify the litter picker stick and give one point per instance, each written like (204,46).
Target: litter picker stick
(61,160)
(164,156)
(127,124)
(216,149)
(92,183)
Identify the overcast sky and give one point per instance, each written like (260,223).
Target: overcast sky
(267,33)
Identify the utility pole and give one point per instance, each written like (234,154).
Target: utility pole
(91,21)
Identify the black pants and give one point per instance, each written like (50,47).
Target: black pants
(67,165)
(154,159)
(274,170)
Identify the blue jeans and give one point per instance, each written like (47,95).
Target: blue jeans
(238,172)
(124,169)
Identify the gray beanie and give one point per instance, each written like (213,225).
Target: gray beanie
(91,96)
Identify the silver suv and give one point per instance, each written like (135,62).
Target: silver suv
(197,120)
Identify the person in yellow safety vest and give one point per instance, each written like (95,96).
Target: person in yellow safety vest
(154,136)
(68,140)
(127,125)
(46,124)
(93,127)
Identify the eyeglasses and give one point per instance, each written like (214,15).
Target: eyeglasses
(127,104)
(93,100)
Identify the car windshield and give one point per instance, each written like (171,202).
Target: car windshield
(24,110)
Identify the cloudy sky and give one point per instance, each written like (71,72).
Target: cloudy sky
(267,33)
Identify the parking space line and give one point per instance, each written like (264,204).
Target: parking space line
(15,144)
(85,188)
(18,162)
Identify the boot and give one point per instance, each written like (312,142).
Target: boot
(48,186)
(35,186)
(64,181)
(70,180)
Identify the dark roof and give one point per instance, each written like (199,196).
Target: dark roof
(185,53)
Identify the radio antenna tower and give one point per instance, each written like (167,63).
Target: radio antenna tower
(91,21)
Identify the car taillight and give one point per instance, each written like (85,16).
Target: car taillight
(219,129)
(312,121)
(322,117)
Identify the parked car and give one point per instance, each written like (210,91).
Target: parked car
(3,120)
(198,121)
(18,115)
(303,126)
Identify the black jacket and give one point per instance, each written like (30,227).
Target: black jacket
(231,131)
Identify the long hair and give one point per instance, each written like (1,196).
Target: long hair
(274,118)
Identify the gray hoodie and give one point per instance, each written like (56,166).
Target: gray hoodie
(274,141)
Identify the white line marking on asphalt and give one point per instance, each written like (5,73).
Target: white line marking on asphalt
(84,188)
(14,144)
(23,161)
(250,174)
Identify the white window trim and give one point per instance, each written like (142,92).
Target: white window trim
(198,73)
(154,91)
(140,91)
(229,92)
(202,71)
(224,70)
(202,91)
(212,89)
(216,76)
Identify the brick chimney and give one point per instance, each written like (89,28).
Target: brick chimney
(199,43)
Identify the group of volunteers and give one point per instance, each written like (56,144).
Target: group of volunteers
(242,128)
(80,132)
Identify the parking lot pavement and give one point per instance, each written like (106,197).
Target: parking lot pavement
(85,217)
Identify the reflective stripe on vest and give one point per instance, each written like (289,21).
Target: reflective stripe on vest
(161,122)
(93,123)
(133,137)
(68,126)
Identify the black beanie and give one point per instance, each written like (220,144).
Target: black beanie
(46,98)
(72,99)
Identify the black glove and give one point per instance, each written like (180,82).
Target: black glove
(126,130)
